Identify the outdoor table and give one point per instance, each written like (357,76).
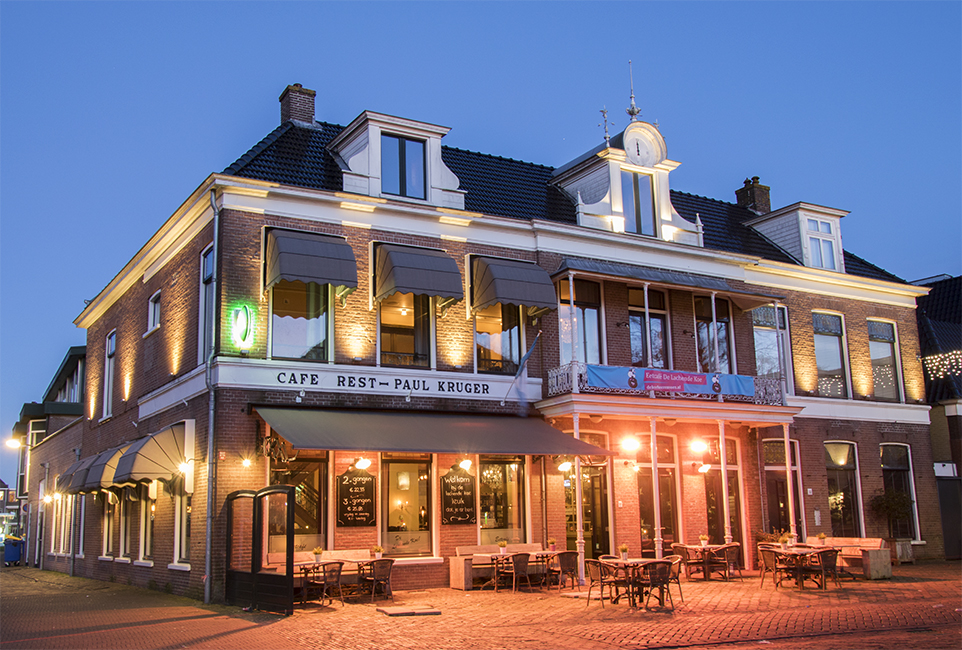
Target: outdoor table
(796,559)
(495,560)
(705,553)
(631,566)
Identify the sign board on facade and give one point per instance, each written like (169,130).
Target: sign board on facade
(457,498)
(355,498)
(644,379)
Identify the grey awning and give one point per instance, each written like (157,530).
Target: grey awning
(745,300)
(156,457)
(79,476)
(421,271)
(63,481)
(101,472)
(512,282)
(421,433)
(310,257)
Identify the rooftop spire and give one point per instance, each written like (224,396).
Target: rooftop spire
(633,111)
(604,114)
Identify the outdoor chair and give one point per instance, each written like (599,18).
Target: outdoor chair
(564,563)
(514,567)
(691,564)
(374,573)
(731,555)
(717,562)
(676,572)
(654,575)
(822,564)
(324,579)
(601,574)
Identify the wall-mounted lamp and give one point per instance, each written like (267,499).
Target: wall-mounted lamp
(631,444)
(184,467)
(246,462)
(699,446)
(47,498)
(564,465)
(361,463)
(465,464)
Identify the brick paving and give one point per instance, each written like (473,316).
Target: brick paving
(921,607)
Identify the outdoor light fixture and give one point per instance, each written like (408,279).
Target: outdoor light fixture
(47,499)
(632,465)
(465,464)
(246,462)
(630,444)
(564,466)
(184,467)
(362,463)
(14,443)
(699,446)
(242,327)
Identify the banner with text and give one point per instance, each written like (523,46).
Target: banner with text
(672,381)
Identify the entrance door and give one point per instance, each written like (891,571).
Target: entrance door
(594,511)
(716,513)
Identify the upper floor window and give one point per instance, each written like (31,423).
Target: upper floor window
(586,315)
(153,312)
(821,244)
(402,167)
(110,353)
(148,508)
(885,370)
(707,334)
(830,355)
(648,328)
(497,338)
(771,343)
(405,330)
(638,202)
(206,303)
(300,321)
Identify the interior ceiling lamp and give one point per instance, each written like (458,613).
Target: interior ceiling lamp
(699,446)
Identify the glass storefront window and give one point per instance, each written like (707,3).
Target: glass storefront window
(498,339)
(299,321)
(309,478)
(406,485)
(501,482)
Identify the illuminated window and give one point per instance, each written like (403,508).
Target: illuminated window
(821,244)
(830,355)
(153,312)
(769,340)
(637,328)
(402,167)
(406,487)
(109,512)
(497,338)
(668,503)
(405,330)
(587,317)
(885,367)
(707,335)
(501,483)
(638,203)
(125,518)
(300,321)
(182,508)
(776,486)
(843,492)
(110,353)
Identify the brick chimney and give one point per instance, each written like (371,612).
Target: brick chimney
(297,103)
(754,196)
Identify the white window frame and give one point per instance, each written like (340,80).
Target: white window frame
(330,297)
(153,313)
(915,503)
(860,511)
(634,218)
(432,310)
(732,358)
(796,468)
(55,521)
(425,144)
(81,524)
(818,236)
(123,549)
(846,361)
(203,318)
(110,355)
(180,513)
(784,333)
(563,315)
(107,527)
(897,353)
(666,312)
(148,503)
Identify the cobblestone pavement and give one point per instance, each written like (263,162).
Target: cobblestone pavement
(921,607)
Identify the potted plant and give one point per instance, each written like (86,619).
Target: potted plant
(502,546)
(703,539)
(893,505)
(623,549)
(783,539)
(821,538)
(377,550)
(317,553)
(551,543)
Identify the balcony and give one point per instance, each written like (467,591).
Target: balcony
(655,383)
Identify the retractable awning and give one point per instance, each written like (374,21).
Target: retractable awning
(156,457)
(63,481)
(101,472)
(79,476)
(421,433)
(310,257)
(421,271)
(744,300)
(512,282)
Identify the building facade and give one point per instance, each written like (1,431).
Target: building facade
(357,311)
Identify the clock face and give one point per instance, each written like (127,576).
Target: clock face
(639,149)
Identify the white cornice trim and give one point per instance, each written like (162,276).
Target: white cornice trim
(173,394)
(837,409)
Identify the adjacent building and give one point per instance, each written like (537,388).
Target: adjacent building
(307,352)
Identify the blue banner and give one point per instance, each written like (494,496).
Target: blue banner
(675,381)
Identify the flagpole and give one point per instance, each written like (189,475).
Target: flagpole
(521,366)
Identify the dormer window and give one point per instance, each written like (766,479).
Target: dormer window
(402,167)
(821,244)
(638,203)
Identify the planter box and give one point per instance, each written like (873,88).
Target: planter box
(876,563)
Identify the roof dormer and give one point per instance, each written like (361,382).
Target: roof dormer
(809,233)
(622,186)
(395,158)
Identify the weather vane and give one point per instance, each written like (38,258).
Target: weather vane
(633,111)
(604,113)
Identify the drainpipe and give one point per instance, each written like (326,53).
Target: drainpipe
(42,515)
(209,379)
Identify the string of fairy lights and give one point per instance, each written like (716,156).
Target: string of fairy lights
(941,366)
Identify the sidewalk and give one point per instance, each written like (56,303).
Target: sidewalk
(921,607)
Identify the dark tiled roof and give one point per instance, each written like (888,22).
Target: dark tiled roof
(296,155)
(944,302)
(724,227)
(940,331)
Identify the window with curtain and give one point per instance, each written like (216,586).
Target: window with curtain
(843,500)
(830,355)
(885,370)
(706,335)
(406,487)
(299,321)
(638,328)
(587,316)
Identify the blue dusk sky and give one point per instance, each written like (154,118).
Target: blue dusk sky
(112,113)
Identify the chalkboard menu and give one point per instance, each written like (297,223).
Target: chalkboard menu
(355,498)
(457,498)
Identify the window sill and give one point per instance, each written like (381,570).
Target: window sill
(106,558)
(919,542)
(154,329)
(175,566)
(146,563)
(122,560)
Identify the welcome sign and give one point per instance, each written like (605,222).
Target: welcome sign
(671,381)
